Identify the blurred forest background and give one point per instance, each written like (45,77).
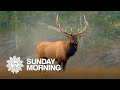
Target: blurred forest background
(22,31)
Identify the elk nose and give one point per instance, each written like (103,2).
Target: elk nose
(74,42)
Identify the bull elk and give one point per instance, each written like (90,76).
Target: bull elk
(61,50)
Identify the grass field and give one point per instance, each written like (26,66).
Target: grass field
(83,73)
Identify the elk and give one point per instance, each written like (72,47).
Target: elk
(61,51)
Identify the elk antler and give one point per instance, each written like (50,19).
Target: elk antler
(86,26)
(60,27)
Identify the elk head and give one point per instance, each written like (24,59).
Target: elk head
(73,37)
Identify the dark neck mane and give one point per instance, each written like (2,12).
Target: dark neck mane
(73,49)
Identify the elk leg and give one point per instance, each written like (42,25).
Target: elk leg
(60,63)
(45,58)
(64,65)
(45,64)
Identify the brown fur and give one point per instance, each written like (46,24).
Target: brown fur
(55,50)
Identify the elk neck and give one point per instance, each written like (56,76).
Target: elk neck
(71,48)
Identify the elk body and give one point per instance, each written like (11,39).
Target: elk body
(61,51)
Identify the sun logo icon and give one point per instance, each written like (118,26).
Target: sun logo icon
(14,64)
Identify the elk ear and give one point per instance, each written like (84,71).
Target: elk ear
(68,36)
(78,36)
